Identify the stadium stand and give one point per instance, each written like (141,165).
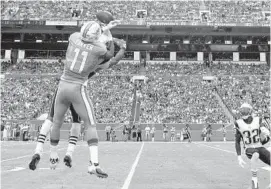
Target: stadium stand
(166,95)
(207,11)
(174,92)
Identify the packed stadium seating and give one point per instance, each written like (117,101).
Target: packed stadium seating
(200,11)
(180,100)
(254,89)
(173,93)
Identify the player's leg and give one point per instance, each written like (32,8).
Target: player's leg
(253,155)
(61,106)
(264,155)
(44,130)
(74,134)
(83,106)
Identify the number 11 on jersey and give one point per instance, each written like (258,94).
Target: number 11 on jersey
(79,60)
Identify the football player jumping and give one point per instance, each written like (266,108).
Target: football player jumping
(254,135)
(76,120)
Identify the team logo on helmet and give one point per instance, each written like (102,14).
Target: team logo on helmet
(90,31)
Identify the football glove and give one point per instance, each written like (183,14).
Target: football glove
(111,25)
(120,42)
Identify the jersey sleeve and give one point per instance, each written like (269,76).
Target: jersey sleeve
(238,138)
(117,58)
(72,36)
(110,52)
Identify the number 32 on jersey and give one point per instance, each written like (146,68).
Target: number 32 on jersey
(250,137)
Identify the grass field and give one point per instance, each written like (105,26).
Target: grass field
(131,165)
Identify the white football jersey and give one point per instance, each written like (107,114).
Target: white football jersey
(250,132)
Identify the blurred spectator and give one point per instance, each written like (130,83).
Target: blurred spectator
(139,133)
(147,133)
(209,132)
(107,131)
(134,133)
(165,132)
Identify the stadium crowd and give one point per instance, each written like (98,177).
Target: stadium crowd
(173,93)
(198,11)
(254,89)
(180,100)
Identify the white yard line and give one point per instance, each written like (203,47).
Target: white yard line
(14,170)
(267,168)
(23,168)
(20,157)
(132,171)
(216,148)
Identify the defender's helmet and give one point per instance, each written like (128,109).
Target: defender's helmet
(90,31)
(246,110)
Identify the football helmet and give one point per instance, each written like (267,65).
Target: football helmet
(90,31)
(245,110)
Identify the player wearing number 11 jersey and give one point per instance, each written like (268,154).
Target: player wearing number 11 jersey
(249,129)
(84,54)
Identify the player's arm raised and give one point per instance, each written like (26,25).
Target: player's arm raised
(238,138)
(122,45)
(264,132)
(113,61)
(110,50)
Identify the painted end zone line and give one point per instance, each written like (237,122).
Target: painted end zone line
(20,157)
(132,171)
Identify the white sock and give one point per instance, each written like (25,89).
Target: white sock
(53,150)
(71,146)
(70,149)
(93,151)
(74,134)
(255,180)
(45,129)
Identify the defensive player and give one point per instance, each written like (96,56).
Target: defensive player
(250,130)
(75,129)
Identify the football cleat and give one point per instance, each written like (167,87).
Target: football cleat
(34,162)
(54,162)
(68,161)
(96,170)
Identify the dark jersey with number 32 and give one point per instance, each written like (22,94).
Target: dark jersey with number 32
(82,59)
